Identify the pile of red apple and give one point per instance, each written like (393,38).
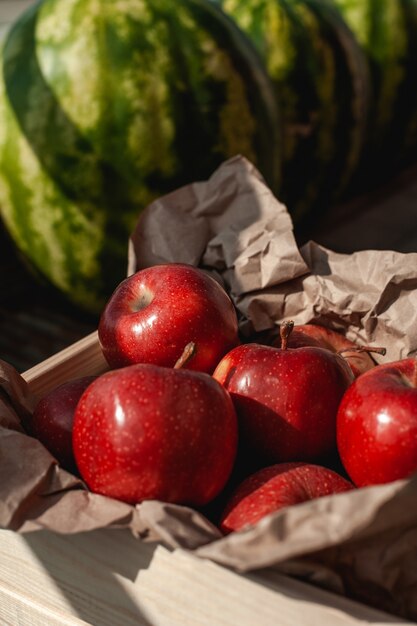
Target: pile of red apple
(186,403)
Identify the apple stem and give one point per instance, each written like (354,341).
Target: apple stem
(285,331)
(188,353)
(369,349)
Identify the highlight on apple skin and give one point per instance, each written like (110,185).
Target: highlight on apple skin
(275,487)
(286,399)
(377,424)
(156,312)
(146,432)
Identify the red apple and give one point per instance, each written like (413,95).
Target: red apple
(148,432)
(53,417)
(357,356)
(377,424)
(286,398)
(278,486)
(155,313)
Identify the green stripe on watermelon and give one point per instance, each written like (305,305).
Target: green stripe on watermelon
(382,30)
(108,105)
(402,133)
(320,77)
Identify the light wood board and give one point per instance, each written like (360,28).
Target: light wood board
(108,578)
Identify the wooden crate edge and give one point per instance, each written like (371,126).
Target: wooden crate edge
(82,358)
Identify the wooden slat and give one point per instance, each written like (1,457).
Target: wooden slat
(108,578)
(84,579)
(83,358)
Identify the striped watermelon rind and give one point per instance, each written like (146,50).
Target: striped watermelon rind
(321,81)
(402,133)
(107,104)
(386,32)
(344,99)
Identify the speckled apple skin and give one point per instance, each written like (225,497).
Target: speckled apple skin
(275,487)
(377,424)
(155,313)
(322,337)
(286,400)
(52,419)
(148,432)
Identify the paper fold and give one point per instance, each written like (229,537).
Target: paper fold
(363,541)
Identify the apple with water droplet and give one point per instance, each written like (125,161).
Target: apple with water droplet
(377,424)
(154,313)
(276,487)
(286,398)
(146,432)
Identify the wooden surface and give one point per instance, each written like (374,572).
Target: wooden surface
(35,320)
(83,358)
(384,218)
(107,578)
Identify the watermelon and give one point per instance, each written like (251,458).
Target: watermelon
(322,85)
(107,104)
(404,131)
(386,32)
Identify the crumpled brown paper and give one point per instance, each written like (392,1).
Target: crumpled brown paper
(362,543)
(233,224)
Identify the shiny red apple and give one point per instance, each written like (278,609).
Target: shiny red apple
(154,314)
(358,357)
(377,424)
(286,398)
(273,488)
(53,417)
(146,432)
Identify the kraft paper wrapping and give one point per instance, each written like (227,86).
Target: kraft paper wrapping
(362,543)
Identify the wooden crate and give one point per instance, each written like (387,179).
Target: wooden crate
(109,578)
